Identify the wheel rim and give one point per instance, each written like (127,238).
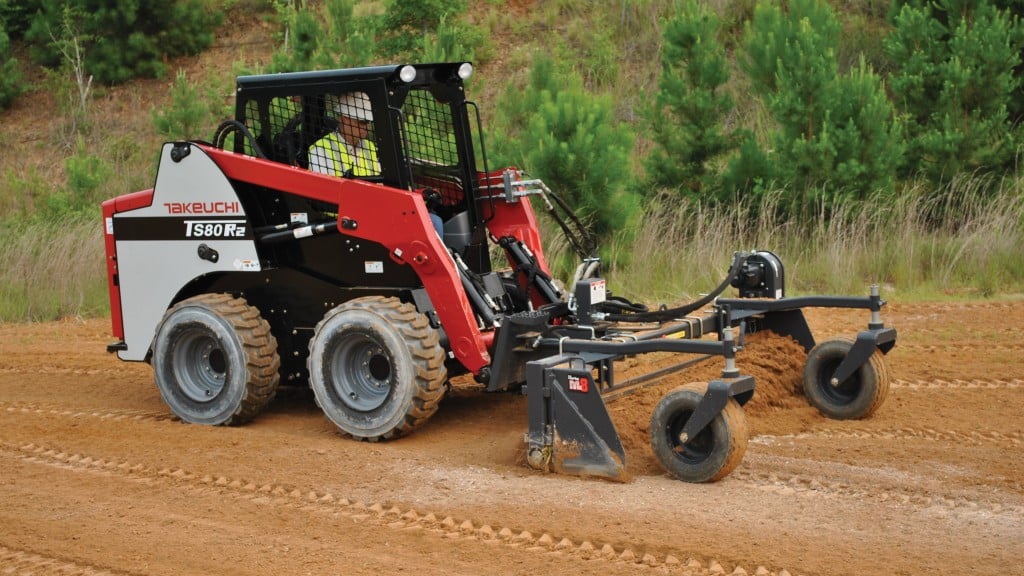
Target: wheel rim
(698,449)
(200,365)
(361,372)
(847,390)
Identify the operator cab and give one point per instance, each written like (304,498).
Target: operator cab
(420,131)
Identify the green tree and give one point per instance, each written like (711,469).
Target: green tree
(327,37)
(127,38)
(86,175)
(831,130)
(407,23)
(11,85)
(689,110)
(349,40)
(303,35)
(954,84)
(447,44)
(16,16)
(573,142)
(187,116)
(517,105)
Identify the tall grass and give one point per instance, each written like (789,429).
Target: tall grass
(51,270)
(963,241)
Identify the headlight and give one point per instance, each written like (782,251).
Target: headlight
(465,70)
(407,74)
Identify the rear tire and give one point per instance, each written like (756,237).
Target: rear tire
(857,397)
(215,360)
(376,367)
(709,456)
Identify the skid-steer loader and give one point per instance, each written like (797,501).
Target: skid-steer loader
(248,265)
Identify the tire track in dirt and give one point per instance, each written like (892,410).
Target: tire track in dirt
(21,562)
(62,370)
(104,414)
(386,516)
(924,307)
(996,384)
(879,490)
(973,437)
(773,482)
(919,348)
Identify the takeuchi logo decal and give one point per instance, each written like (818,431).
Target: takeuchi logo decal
(203,207)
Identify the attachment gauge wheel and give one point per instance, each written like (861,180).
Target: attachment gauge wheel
(709,456)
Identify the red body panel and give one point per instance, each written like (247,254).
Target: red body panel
(407,234)
(110,207)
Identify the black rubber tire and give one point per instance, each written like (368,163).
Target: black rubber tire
(859,396)
(713,453)
(215,360)
(376,367)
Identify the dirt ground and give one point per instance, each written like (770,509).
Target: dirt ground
(97,477)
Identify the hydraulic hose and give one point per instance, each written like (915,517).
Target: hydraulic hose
(669,314)
(226,127)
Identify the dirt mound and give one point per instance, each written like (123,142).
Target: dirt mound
(775,362)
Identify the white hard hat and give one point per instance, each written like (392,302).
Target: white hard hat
(355,105)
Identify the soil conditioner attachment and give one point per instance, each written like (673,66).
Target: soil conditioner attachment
(337,234)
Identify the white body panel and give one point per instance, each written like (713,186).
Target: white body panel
(197,203)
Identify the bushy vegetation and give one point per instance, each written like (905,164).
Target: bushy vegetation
(121,39)
(569,137)
(862,141)
(955,81)
(330,36)
(832,129)
(10,78)
(686,119)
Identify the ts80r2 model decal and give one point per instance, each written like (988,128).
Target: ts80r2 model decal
(215,229)
(174,228)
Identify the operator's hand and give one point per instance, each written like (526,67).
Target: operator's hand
(432,198)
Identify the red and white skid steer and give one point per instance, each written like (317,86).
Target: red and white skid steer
(243,268)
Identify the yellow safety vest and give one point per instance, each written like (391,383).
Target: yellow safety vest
(339,159)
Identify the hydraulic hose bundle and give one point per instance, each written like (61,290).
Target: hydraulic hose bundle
(639,313)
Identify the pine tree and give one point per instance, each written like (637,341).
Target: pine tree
(407,23)
(517,105)
(575,145)
(127,38)
(186,116)
(349,40)
(303,38)
(10,79)
(955,84)
(689,110)
(832,130)
(324,37)
(791,60)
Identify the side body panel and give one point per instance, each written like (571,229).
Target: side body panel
(194,225)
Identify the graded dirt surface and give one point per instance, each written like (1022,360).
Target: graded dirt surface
(97,476)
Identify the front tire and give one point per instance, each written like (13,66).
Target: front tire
(376,367)
(215,360)
(714,452)
(859,396)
